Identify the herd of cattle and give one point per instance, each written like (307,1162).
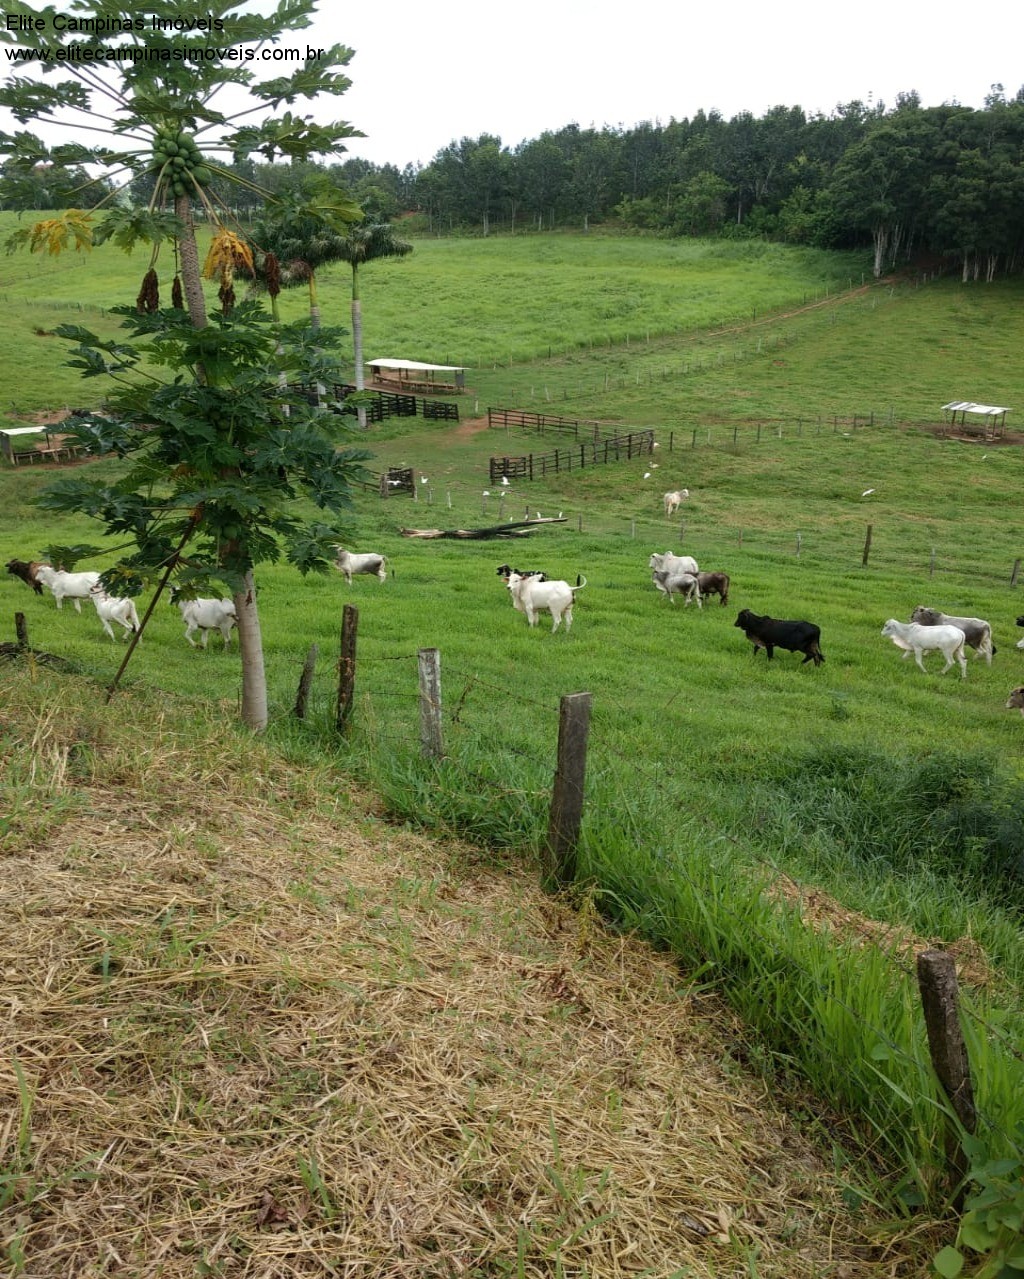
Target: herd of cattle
(928,629)
(533,593)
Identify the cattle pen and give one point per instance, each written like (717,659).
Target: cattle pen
(593,452)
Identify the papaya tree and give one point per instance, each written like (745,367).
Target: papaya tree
(137,82)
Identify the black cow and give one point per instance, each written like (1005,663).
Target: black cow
(506,571)
(769,634)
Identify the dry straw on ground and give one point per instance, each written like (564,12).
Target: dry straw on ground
(249,1029)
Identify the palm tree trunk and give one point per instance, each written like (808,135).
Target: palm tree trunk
(250,642)
(357,342)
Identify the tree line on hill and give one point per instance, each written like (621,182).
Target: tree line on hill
(947,181)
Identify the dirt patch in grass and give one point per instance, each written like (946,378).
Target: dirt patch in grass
(250,1029)
(821,911)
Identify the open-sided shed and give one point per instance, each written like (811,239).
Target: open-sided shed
(988,420)
(414,375)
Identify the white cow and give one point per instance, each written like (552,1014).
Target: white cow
(73,586)
(673,499)
(530,595)
(368,562)
(667,565)
(917,639)
(114,608)
(977,631)
(208,615)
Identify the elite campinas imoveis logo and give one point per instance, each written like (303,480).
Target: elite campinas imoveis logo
(101,26)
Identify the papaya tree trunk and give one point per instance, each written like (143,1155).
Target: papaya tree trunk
(250,640)
(250,643)
(191,276)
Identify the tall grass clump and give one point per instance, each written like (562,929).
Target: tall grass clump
(956,814)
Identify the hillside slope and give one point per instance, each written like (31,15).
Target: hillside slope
(250,1029)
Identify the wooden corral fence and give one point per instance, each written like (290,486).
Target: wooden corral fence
(397,479)
(382,404)
(615,448)
(441,410)
(542,422)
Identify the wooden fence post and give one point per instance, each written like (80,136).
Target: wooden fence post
(429,663)
(867,548)
(558,868)
(936,978)
(347,665)
(1016,570)
(21,630)
(305,680)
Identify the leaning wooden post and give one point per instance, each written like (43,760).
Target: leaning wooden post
(21,630)
(347,665)
(558,869)
(936,977)
(867,549)
(429,663)
(1016,570)
(305,681)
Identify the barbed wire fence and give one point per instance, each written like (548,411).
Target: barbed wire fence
(410,685)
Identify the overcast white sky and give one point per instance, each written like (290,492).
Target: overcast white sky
(426,75)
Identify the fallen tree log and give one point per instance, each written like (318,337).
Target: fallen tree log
(521,528)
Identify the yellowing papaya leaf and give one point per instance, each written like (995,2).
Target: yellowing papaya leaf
(54,235)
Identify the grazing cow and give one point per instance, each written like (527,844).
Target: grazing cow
(671,564)
(530,596)
(207,615)
(714,584)
(977,632)
(349,564)
(672,583)
(73,586)
(113,608)
(914,638)
(769,633)
(1016,699)
(673,499)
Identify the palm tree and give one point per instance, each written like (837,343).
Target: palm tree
(304,235)
(367,242)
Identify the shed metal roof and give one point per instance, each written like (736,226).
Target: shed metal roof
(415,366)
(967,406)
